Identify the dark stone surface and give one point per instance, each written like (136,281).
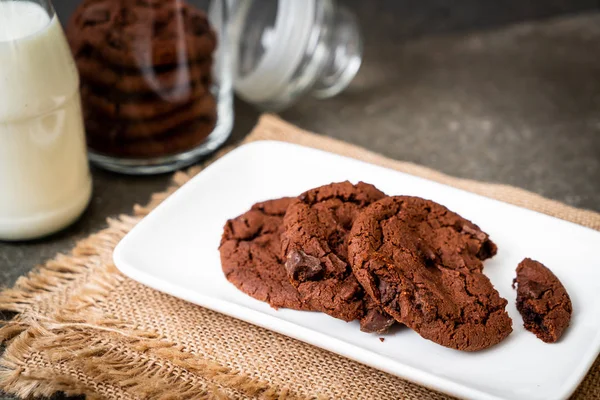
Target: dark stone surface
(517,105)
(468,89)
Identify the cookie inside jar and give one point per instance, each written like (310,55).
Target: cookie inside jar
(146,70)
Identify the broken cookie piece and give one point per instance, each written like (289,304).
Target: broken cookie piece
(542,301)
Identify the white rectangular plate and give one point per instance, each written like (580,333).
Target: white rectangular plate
(184,233)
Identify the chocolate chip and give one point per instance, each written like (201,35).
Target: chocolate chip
(350,291)
(303,267)
(458,225)
(477,234)
(425,304)
(376,322)
(427,252)
(386,292)
(531,289)
(488,250)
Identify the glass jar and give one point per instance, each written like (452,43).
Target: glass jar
(45,183)
(155,81)
(157,76)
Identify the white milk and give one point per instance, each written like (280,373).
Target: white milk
(45,182)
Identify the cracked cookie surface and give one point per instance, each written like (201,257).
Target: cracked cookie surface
(250,255)
(542,301)
(314,246)
(423,264)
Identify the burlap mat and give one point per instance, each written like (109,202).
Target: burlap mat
(82,327)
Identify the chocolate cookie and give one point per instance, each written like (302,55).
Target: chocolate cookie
(140,34)
(125,109)
(542,301)
(183,138)
(422,263)
(314,246)
(170,84)
(203,109)
(250,255)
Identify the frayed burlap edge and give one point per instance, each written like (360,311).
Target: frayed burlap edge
(76,342)
(55,306)
(113,360)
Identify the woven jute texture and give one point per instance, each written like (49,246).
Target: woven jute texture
(82,327)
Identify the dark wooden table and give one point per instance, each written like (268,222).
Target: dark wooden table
(498,91)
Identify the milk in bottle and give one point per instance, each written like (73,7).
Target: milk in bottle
(45,182)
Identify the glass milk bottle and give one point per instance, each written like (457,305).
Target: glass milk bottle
(45,183)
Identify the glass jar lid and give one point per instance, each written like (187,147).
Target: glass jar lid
(284,49)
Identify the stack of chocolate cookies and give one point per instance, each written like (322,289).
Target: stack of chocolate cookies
(356,254)
(145,70)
